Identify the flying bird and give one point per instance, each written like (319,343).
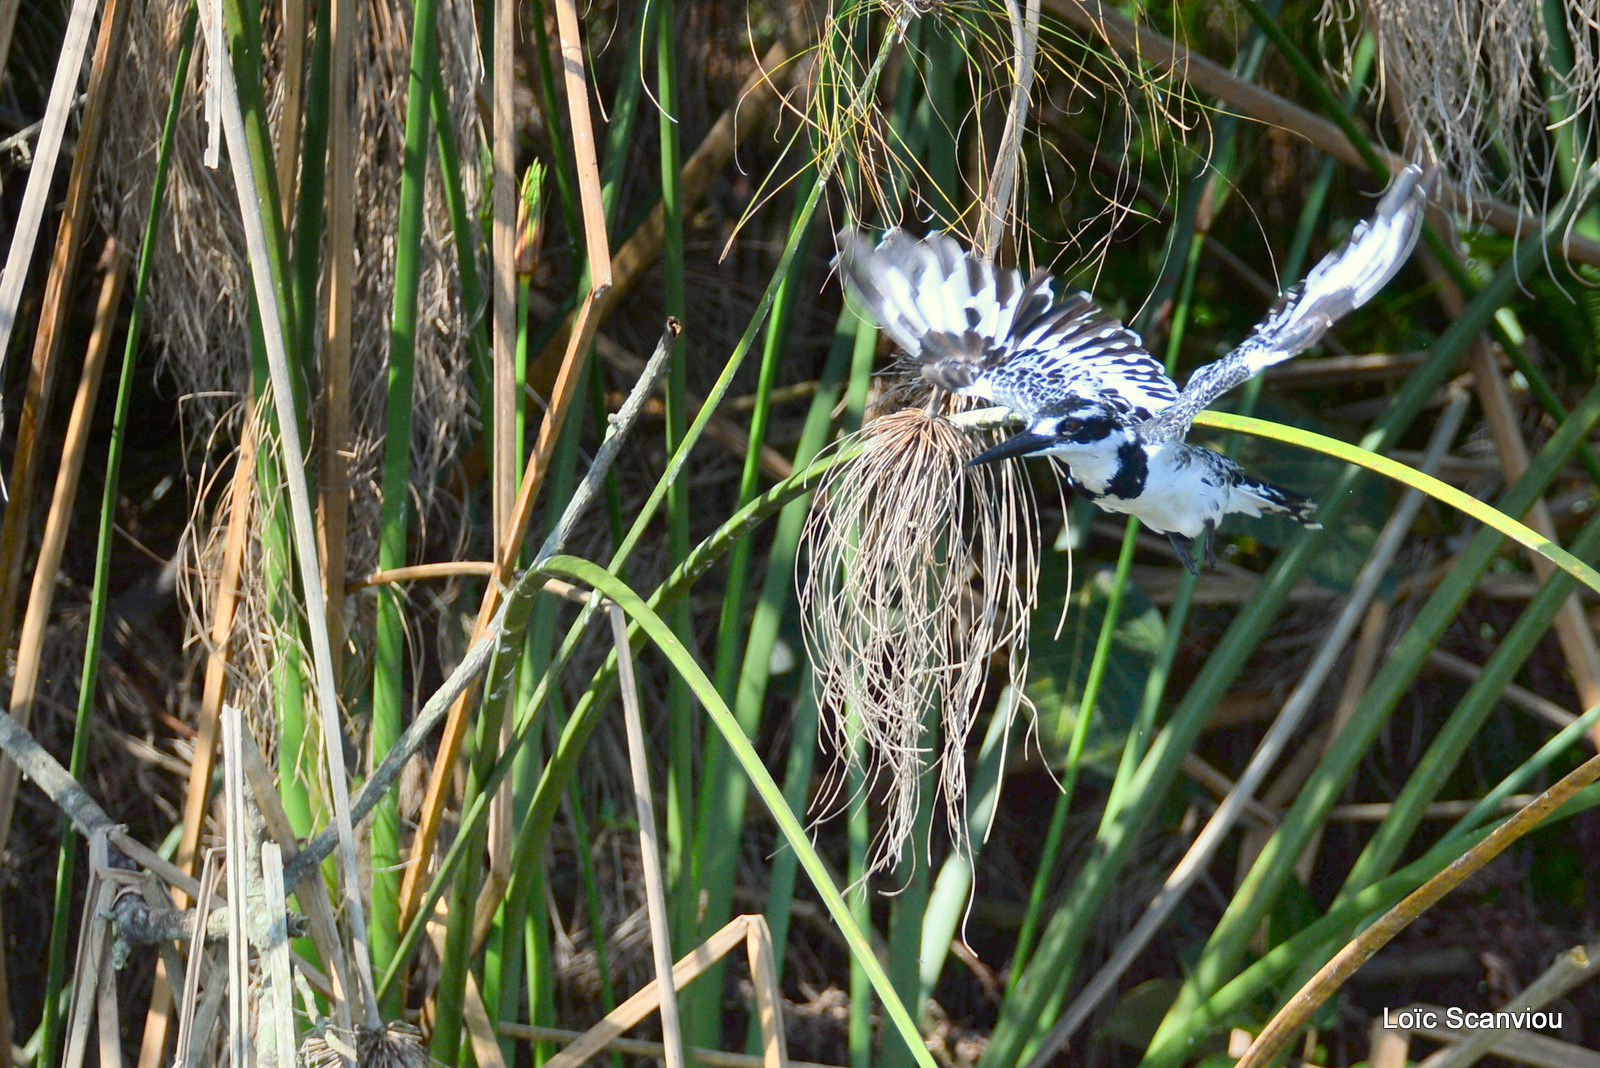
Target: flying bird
(1086,389)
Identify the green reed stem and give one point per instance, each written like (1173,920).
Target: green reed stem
(389,647)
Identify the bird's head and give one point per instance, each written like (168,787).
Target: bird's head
(1088,426)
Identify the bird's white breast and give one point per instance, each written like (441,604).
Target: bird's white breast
(1180,494)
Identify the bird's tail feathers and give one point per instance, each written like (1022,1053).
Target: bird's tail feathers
(1269,499)
(943,306)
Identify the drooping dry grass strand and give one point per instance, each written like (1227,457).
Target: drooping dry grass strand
(1491,86)
(922,574)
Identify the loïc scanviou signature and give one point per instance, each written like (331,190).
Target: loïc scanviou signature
(1422,1018)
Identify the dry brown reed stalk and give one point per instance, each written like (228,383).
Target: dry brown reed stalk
(41,174)
(46,571)
(922,573)
(333,444)
(503,241)
(760,92)
(510,536)
(1298,1010)
(55,305)
(226,600)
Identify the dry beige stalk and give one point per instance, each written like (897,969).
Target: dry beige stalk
(30,644)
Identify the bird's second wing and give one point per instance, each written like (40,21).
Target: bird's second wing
(1344,280)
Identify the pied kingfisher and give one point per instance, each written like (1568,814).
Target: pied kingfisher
(1083,383)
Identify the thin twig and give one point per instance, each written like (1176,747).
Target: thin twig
(629,413)
(481,651)
(1512,694)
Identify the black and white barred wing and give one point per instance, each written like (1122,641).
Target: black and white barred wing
(1075,350)
(943,307)
(1343,281)
(982,332)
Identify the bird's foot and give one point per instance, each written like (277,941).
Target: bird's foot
(1183,546)
(1209,541)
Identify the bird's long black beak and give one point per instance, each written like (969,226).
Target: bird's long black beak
(1023,444)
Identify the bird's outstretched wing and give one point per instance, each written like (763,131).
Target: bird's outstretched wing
(981,331)
(1346,278)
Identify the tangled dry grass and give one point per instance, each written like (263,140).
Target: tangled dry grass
(199,292)
(923,572)
(1495,90)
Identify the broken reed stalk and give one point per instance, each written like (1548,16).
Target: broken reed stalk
(275,343)
(596,241)
(1357,952)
